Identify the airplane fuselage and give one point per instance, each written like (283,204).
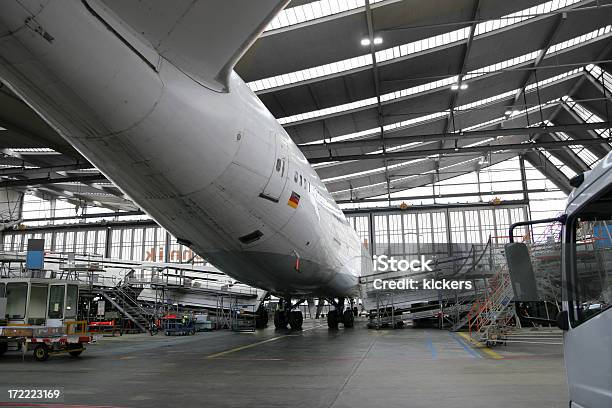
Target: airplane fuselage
(213,168)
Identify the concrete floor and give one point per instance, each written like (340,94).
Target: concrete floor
(313,368)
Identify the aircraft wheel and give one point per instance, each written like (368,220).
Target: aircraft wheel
(261,319)
(280,320)
(295,320)
(348,319)
(332,319)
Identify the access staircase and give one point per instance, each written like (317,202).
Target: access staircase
(491,316)
(124,298)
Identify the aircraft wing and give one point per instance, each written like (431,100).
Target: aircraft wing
(203,38)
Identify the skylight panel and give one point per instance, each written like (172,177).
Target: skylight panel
(580,39)
(314,10)
(599,73)
(311,73)
(370,172)
(438,84)
(569,173)
(425,44)
(32,150)
(522,15)
(586,115)
(581,151)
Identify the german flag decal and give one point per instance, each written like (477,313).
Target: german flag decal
(294,200)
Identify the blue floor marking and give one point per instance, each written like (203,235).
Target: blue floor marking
(466,347)
(431,347)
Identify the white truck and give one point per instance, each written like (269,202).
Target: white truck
(586,280)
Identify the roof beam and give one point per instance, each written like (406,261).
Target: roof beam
(459,150)
(547,168)
(600,149)
(49,180)
(462,70)
(455,195)
(566,155)
(23,171)
(474,134)
(376,78)
(450,167)
(547,44)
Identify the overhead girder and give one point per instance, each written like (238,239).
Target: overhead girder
(457,167)
(419,105)
(473,134)
(596,98)
(567,115)
(459,150)
(41,181)
(565,155)
(419,167)
(549,170)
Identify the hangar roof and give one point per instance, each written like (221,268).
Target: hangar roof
(387,95)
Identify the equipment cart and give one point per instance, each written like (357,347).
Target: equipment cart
(45,340)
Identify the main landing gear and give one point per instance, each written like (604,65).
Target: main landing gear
(261,317)
(285,316)
(339,315)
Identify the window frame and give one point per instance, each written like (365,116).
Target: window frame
(570,259)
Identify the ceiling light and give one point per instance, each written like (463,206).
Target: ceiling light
(377,40)
(508,113)
(365,42)
(464,86)
(454,87)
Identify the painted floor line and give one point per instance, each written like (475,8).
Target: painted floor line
(480,346)
(248,346)
(431,347)
(466,347)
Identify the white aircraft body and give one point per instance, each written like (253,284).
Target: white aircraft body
(146,91)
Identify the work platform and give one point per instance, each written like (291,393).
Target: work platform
(141,292)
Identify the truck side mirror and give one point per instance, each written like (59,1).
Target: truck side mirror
(563,320)
(521,272)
